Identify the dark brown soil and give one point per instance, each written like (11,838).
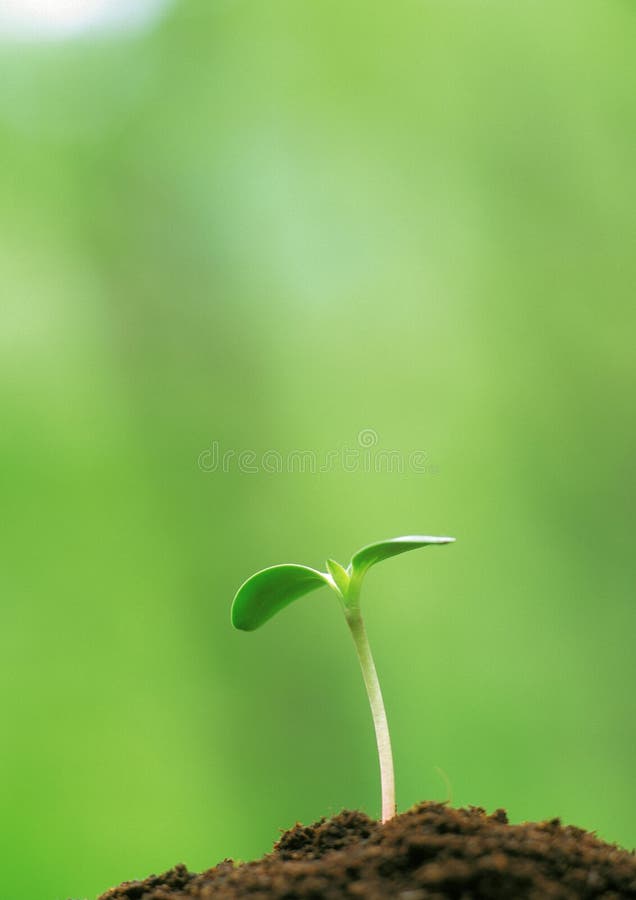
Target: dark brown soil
(432,852)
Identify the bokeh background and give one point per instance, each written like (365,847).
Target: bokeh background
(272,226)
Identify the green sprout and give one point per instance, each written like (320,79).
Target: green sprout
(270,590)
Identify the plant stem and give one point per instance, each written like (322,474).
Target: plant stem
(383,739)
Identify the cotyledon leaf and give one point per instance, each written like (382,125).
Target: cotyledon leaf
(270,590)
(374,553)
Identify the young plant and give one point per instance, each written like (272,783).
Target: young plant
(270,590)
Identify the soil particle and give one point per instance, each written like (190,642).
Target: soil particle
(431,852)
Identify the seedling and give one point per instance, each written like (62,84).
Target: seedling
(270,590)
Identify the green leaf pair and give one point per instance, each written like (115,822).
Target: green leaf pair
(270,590)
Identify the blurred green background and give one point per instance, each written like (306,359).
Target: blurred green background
(272,226)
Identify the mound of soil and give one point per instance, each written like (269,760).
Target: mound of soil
(431,852)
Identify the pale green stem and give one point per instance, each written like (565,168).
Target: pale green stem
(383,739)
